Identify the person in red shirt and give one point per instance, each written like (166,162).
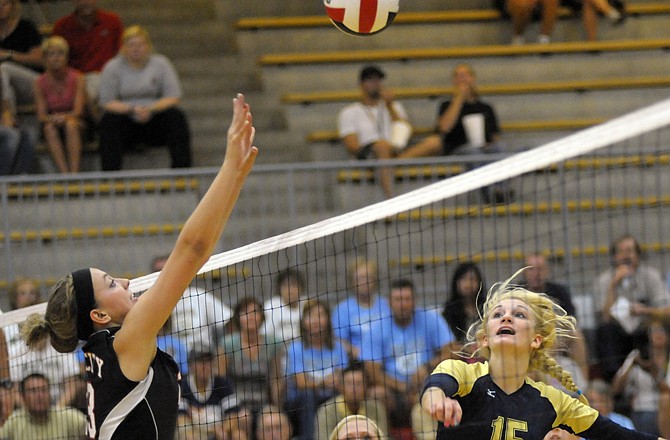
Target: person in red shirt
(94,37)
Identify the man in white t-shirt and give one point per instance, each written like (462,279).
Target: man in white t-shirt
(197,314)
(366,127)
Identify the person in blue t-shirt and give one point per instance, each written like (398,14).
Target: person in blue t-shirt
(401,350)
(314,365)
(601,399)
(354,316)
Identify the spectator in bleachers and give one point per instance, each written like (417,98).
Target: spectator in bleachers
(314,365)
(523,12)
(601,399)
(23,293)
(366,127)
(139,95)
(237,425)
(38,419)
(354,316)
(352,399)
(45,360)
(664,411)
(466,297)
(401,351)
(206,395)
(452,136)
(73,393)
(198,313)
(640,378)
(282,311)
(94,37)
(17,146)
(170,342)
(627,294)
(614,10)
(465,125)
(9,399)
(21,54)
(195,432)
(251,359)
(357,427)
(537,278)
(60,98)
(273,424)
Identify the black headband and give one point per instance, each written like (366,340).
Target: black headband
(83,290)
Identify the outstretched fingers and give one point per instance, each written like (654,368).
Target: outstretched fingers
(240,149)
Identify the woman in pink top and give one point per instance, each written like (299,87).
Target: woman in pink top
(60,96)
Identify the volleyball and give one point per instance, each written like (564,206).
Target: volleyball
(362,17)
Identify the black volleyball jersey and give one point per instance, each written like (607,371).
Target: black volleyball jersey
(528,413)
(119,408)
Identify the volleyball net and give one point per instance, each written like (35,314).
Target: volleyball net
(566,201)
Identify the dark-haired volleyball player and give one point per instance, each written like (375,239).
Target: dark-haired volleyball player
(133,386)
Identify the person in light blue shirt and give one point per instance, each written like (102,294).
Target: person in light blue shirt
(176,348)
(314,365)
(353,317)
(402,350)
(600,398)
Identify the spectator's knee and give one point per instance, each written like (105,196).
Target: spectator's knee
(383,149)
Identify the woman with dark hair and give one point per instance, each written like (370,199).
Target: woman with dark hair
(465,302)
(282,311)
(314,364)
(133,387)
(252,359)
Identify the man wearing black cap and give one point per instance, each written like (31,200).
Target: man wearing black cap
(365,127)
(205,395)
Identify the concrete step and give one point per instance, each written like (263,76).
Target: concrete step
(420,35)
(168,13)
(82,206)
(121,256)
(630,182)
(229,73)
(205,123)
(492,69)
(276,146)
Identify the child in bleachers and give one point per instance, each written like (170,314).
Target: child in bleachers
(60,96)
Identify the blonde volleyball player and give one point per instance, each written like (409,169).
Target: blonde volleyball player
(496,400)
(132,385)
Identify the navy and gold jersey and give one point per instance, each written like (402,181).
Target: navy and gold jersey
(528,413)
(120,408)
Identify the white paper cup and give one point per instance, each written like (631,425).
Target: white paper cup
(474,129)
(400,133)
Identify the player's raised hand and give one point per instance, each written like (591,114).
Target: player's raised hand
(240,151)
